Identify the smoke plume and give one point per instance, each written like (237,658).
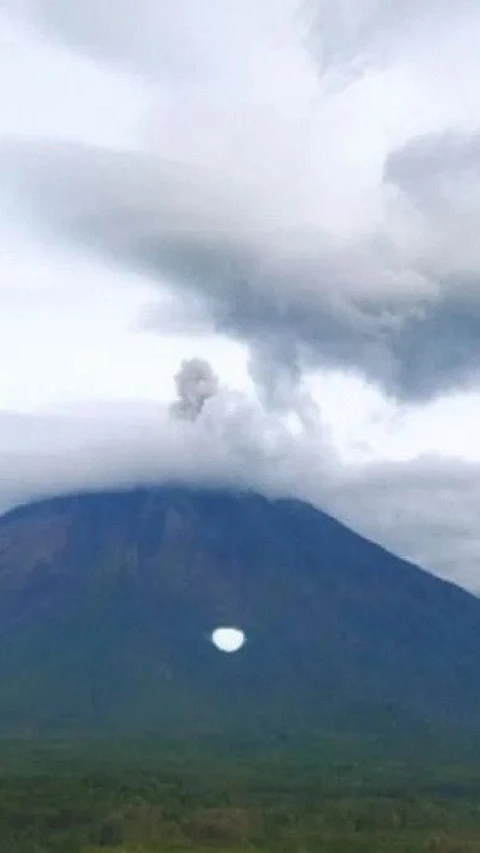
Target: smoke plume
(196,383)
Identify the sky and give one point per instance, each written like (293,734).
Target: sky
(288,192)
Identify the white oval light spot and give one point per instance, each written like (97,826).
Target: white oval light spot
(228,639)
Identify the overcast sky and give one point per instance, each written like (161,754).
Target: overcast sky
(289,191)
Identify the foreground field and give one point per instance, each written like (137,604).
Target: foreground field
(322,796)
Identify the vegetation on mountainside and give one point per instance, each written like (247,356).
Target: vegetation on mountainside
(168,799)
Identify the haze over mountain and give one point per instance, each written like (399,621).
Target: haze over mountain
(108,601)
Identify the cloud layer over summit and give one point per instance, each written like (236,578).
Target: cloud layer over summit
(291,189)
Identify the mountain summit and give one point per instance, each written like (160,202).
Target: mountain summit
(108,603)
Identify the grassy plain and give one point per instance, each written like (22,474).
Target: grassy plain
(327,794)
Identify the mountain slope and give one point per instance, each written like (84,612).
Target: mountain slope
(107,602)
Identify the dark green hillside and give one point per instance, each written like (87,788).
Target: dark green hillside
(107,602)
(184,796)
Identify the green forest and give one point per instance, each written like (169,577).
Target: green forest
(322,795)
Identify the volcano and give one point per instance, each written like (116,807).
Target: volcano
(108,603)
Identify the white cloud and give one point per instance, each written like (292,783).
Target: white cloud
(45,90)
(264,179)
(424,510)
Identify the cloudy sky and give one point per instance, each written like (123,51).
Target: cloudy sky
(289,191)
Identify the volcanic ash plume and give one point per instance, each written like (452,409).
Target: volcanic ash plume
(196,383)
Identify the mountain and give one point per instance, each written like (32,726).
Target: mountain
(108,601)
